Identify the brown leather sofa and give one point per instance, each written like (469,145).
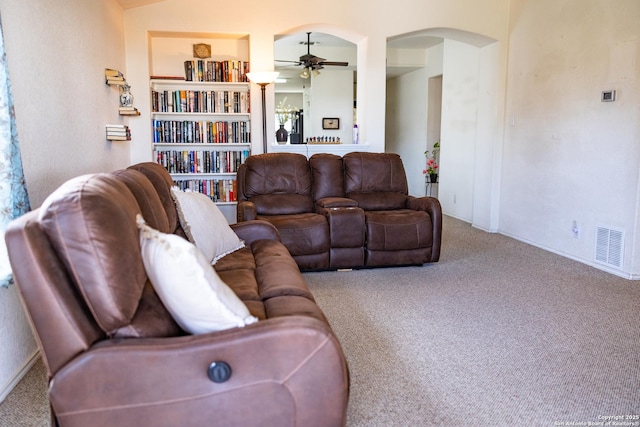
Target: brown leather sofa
(115,356)
(341,212)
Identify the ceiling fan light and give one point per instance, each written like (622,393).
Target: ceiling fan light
(305,73)
(316,73)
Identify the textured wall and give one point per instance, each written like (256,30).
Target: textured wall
(18,345)
(567,155)
(57,52)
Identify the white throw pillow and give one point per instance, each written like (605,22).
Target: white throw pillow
(187,284)
(204,224)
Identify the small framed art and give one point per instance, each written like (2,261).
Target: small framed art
(330,123)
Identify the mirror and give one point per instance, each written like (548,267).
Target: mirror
(316,86)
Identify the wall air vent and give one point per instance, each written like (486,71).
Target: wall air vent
(609,246)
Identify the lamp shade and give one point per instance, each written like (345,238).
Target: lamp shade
(263,77)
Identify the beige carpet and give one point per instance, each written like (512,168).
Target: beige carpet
(498,333)
(27,405)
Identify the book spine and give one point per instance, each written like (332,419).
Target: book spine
(188,71)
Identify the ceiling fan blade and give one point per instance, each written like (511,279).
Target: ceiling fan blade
(336,63)
(314,62)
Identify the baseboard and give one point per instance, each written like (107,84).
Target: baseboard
(4,392)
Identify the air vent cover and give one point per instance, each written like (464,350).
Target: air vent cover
(609,246)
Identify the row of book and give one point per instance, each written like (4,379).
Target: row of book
(118,133)
(201,132)
(230,71)
(219,190)
(193,101)
(195,161)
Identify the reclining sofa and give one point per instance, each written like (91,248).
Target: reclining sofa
(113,352)
(337,212)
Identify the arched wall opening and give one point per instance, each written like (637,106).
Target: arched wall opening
(470,127)
(361,45)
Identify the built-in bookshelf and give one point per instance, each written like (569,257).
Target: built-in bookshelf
(201,133)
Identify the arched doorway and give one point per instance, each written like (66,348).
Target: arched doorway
(470,125)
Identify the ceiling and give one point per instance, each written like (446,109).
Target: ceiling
(128,4)
(418,41)
(321,39)
(290,47)
(412,41)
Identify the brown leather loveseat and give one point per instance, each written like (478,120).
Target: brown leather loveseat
(114,354)
(341,212)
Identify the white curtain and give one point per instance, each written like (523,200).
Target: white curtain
(14,200)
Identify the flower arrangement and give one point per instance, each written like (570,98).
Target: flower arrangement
(432,167)
(432,164)
(284,112)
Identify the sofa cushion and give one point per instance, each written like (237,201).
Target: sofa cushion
(380,200)
(204,224)
(146,195)
(282,204)
(262,271)
(285,180)
(303,233)
(151,320)
(162,182)
(276,272)
(293,306)
(401,229)
(328,175)
(189,287)
(91,222)
(377,181)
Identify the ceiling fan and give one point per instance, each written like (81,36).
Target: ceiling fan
(313,63)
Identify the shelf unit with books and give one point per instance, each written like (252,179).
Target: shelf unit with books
(201,134)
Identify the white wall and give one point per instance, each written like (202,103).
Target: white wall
(458,129)
(568,156)
(406,115)
(331,96)
(489,137)
(406,130)
(18,348)
(470,127)
(357,21)
(57,54)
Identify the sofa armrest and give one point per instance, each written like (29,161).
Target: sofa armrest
(250,231)
(430,205)
(246,211)
(284,371)
(336,202)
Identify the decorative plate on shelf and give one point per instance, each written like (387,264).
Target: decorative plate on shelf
(202,50)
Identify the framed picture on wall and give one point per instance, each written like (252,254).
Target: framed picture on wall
(330,123)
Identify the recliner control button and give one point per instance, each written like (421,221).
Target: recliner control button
(219,371)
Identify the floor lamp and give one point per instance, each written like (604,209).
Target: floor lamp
(263,78)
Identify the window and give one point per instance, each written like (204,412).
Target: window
(14,200)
